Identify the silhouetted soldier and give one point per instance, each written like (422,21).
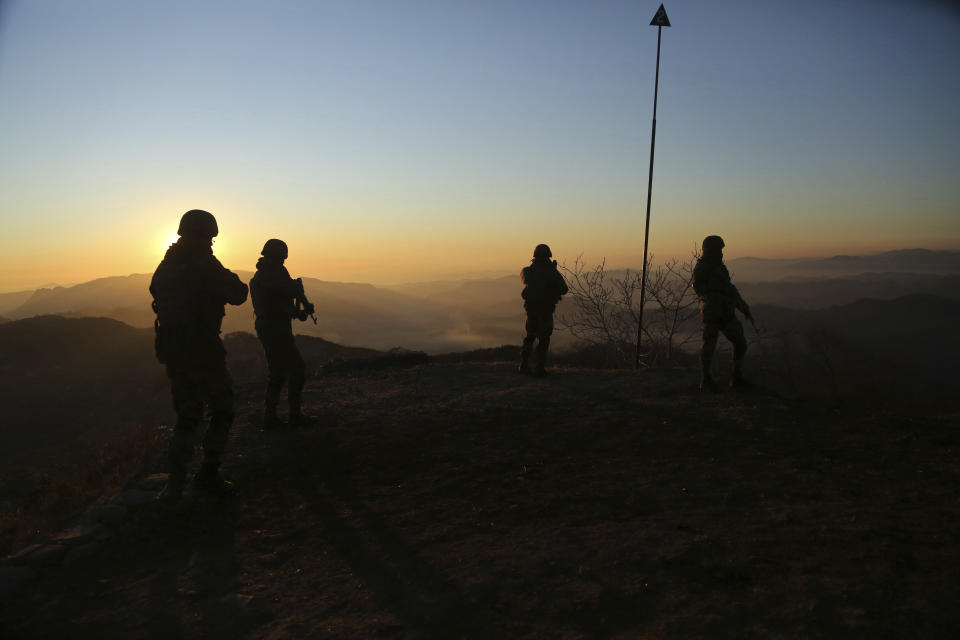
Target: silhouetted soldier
(190,289)
(543,288)
(719,300)
(277,299)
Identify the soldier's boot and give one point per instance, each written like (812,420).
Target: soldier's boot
(209,481)
(542,346)
(181,448)
(295,397)
(176,480)
(300,419)
(270,418)
(297,417)
(524,367)
(737,381)
(707,385)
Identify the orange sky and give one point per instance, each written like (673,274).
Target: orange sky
(391,142)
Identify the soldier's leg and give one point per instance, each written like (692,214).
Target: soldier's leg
(188,403)
(733,331)
(709,333)
(219,393)
(276,376)
(544,331)
(298,377)
(531,329)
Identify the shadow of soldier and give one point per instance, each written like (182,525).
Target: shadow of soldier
(195,592)
(423,601)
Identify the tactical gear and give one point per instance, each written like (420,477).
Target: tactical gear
(719,302)
(190,288)
(712,244)
(275,249)
(277,299)
(542,252)
(209,481)
(543,288)
(273,293)
(198,223)
(719,298)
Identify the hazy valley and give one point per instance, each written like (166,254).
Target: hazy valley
(444,316)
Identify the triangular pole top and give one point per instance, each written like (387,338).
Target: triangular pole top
(661,19)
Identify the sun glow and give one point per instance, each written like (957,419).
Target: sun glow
(164,241)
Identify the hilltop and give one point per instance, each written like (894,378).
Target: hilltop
(456,499)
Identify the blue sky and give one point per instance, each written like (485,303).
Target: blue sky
(424,140)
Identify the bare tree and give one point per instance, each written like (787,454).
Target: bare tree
(671,290)
(605,309)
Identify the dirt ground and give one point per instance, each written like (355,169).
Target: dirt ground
(464,501)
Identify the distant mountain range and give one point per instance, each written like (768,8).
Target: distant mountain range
(446,316)
(916,261)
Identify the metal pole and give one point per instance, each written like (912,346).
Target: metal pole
(646,230)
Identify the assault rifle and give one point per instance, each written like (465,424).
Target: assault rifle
(304,308)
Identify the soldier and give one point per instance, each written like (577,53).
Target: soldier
(543,288)
(190,288)
(277,299)
(719,299)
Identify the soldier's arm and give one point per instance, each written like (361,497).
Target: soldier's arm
(227,285)
(234,289)
(740,302)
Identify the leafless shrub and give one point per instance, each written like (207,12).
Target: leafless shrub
(606,308)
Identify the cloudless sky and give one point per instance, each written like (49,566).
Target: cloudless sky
(422,140)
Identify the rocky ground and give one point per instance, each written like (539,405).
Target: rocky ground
(459,500)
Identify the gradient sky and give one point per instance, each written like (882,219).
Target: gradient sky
(421,140)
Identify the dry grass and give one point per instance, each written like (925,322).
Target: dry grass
(39,501)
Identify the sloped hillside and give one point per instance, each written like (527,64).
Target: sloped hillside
(459,500)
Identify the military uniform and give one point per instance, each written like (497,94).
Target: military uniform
(190,288)
(543,288)
(274,293)
(720,299)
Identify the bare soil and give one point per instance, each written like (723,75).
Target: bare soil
(460,500)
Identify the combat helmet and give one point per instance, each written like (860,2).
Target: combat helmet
(275,249)
(542,252)
(712,245)
(198,223)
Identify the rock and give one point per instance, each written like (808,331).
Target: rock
(238,600)
(21,553)
(15,578)
(135,497)
(154,482)
(107,514)
(79,534)
(81,552)
(40,555)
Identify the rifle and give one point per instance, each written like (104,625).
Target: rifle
(304,307)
